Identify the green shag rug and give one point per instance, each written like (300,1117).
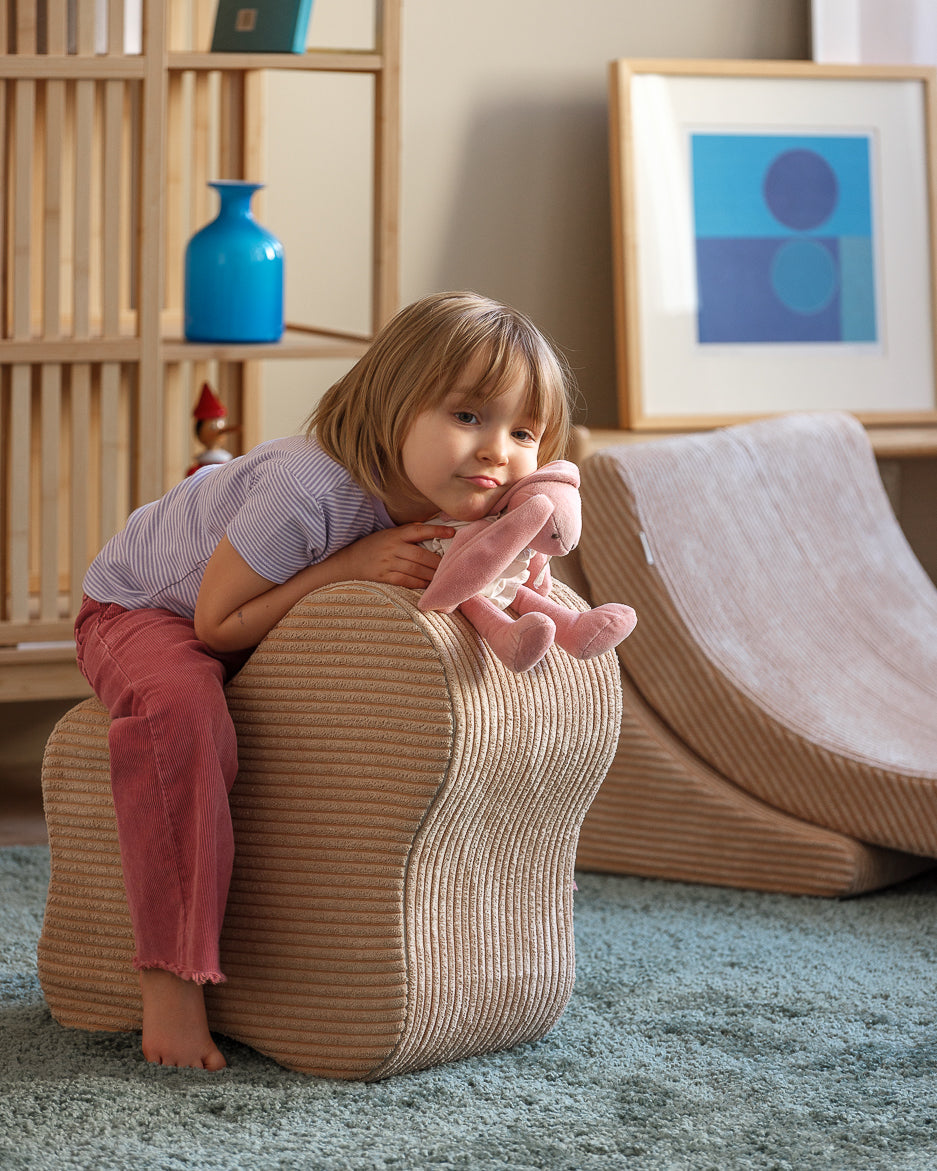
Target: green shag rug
(709,1029)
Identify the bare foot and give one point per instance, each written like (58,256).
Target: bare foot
(175,1026)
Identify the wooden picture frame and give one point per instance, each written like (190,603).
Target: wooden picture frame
(773,241)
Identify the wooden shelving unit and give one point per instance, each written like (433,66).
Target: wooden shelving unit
(104,179)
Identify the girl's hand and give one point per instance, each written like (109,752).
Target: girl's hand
(392,556)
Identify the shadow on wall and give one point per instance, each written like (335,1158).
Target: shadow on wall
(530,226)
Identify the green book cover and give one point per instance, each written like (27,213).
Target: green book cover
(266,26)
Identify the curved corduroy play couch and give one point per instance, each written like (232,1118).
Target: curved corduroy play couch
(780,689)
(406,817)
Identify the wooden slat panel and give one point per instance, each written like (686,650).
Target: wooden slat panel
(202,165)
(111,206)
(26,27)
(5,565)
(56,29)
(204,24)
(52,210)
(5,239)
(85,26)
(115,27)
(231,128)
(55,137)
(130,226)
(178,440)
(24,123)
(23,144)
(18,499)
(186,130)
(253,162)
(179,135)
(148,445)
(6,504)
(81,473)
(83,153)
(50,407)
(111,448)
(385,277)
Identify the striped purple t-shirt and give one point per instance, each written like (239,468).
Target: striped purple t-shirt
(284,505)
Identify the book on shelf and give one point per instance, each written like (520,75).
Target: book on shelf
(266,26)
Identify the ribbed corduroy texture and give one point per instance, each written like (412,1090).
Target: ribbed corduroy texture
(787,636)
(664,813)
(406,816)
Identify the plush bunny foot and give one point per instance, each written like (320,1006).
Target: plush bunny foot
(584,636)
(521,644)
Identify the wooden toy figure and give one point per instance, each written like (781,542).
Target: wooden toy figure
(210,415)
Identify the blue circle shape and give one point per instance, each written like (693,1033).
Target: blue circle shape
(800,189)
(804,276)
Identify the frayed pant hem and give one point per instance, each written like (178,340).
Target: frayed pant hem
(181,972)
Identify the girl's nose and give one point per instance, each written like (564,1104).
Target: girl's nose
(494,448)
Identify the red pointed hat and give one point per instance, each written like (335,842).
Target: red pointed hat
(209,406)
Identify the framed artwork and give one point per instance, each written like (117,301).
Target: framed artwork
(773,241)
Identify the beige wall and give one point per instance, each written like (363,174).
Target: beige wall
(504,182)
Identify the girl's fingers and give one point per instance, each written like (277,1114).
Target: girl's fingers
(416,532)
(396,556)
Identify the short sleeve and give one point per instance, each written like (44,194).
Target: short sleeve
(279,529)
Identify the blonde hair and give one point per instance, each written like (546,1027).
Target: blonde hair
(414,363)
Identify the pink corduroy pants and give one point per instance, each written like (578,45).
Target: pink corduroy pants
(173,754)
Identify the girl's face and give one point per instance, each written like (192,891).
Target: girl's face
(461,456)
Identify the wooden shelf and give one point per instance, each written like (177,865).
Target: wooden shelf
(46,67)
(314,60)
(41,673)
(903,442)
(295,343)
(887,442)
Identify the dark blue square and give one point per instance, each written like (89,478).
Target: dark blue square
(738,303)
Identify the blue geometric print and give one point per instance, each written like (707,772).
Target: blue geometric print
(783,227)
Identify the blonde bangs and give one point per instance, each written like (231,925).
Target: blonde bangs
(419,358)
(511,349)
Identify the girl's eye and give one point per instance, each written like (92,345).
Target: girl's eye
(466,416)
(525,436)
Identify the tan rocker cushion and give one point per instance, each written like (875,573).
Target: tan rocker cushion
(406,816)
(664,813)
(787,636)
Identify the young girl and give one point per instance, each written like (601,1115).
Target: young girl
(456,399)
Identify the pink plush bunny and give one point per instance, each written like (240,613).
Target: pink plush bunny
(503,560)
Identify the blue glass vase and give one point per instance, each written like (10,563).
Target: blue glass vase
(234,274)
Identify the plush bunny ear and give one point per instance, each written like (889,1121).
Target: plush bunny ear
(481,552)
(560,473)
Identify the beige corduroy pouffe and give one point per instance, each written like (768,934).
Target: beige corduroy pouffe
(406,816)
(787,636)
